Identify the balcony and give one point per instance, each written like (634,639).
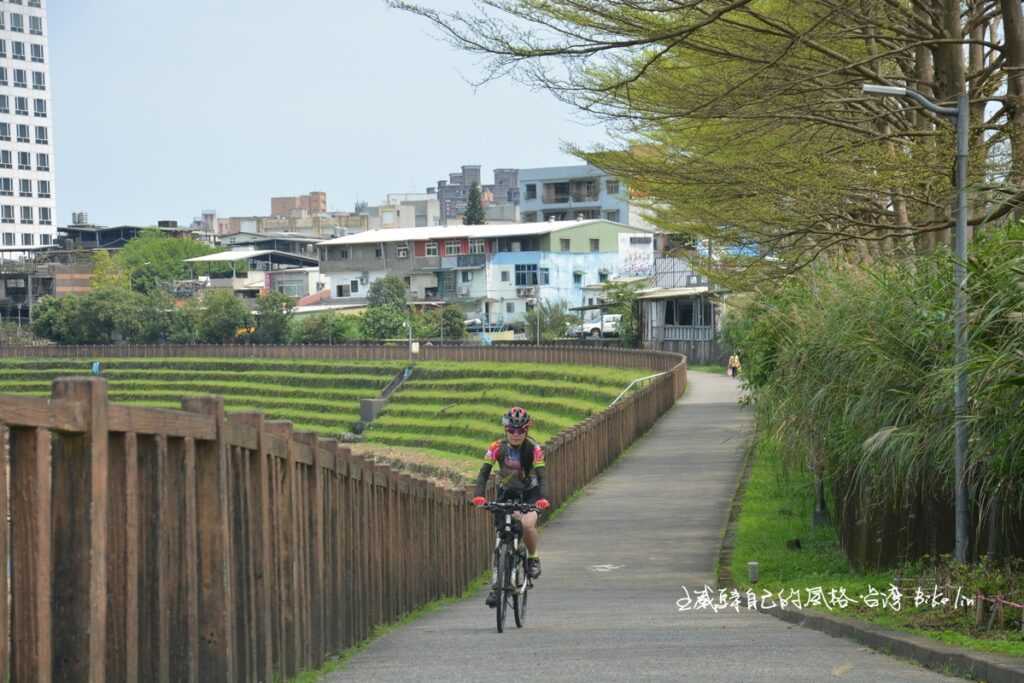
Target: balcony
(684,333)
(472,261)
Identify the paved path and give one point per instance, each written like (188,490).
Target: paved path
(651,523)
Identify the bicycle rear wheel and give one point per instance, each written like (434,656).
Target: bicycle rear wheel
(504,586)
(521,592)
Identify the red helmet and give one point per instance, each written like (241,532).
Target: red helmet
(516,418)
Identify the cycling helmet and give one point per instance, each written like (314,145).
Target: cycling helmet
(516,418)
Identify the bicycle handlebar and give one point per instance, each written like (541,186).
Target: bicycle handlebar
(495,506)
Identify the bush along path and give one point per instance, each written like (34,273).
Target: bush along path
(607,607)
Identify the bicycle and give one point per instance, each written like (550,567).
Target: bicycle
(510,575)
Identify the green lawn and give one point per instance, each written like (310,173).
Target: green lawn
(777,507)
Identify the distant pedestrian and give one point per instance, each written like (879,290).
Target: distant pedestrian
(734,365)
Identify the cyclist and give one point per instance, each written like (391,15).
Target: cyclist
(520,478)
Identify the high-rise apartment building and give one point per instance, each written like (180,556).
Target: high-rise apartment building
(27,196)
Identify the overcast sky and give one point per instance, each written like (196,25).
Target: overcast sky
(163,109)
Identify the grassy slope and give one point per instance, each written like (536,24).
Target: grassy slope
(447,410)
(777,507)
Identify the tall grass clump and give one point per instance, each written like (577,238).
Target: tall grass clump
(852,369)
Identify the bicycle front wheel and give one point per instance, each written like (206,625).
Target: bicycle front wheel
(521,593)
(505,588)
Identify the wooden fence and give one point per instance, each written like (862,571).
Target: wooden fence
(160,545)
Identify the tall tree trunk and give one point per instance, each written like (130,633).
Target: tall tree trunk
(1013,37)
(949,69)
(924,78)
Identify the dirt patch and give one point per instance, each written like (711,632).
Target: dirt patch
(449,472)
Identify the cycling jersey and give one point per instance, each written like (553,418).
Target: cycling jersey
(520,469)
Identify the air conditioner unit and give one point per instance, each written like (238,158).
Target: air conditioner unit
(463,291)
(524,292)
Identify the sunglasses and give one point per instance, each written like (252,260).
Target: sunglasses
(515,430)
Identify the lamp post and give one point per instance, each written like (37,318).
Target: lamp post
(961,115)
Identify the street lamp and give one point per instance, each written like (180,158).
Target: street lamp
(961,114)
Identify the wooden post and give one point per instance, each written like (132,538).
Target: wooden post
(216,594)
(80,472)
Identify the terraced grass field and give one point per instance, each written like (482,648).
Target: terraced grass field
(447,409)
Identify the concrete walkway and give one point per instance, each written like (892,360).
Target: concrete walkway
(614,561)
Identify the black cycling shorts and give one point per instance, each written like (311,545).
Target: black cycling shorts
(530,496)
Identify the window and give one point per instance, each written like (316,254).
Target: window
(510,306)
(40,109)
(21,106)
(42,135)
(611,186)
(504,276)
(565,243)
(595,244)
(35,3)
(5,105)
(526,274)
(27,238)
(8,236)
(476,247)
(577,278)
(431,248)
(17,23)
(44,239)
(39,80)
(43,189)
(342,291)
(466,276)
(402,251)
(3,48)
(6,159)
(20,78)
(37,54)
(15,2)
(3,75)
(35,26)
(640,239)
(530,217)
(42,162)
(26,214)
(44,216)
(602,276)
(378,251)
(6,187)
(1,19)
(7,216)
(5,131)
(22,132)
(531,191)
(452,248)
(353,286)
(612,215)
(24,187)
(24,161)
(342,253)
(17,50)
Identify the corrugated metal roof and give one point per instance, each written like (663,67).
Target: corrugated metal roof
(672,293)
(440,232)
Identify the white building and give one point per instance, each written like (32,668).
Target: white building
(560,193)
(27,196)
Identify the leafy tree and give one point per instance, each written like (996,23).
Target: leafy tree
(183,327)
(387,291)
(474,208)
(555,320)
(622,300)
(385,321)
(323,328)
(108,273)
(447,322)
(744,123)
(274,311)
(222,316)
(153,258)
(97,317)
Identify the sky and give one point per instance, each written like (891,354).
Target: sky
(164,109)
